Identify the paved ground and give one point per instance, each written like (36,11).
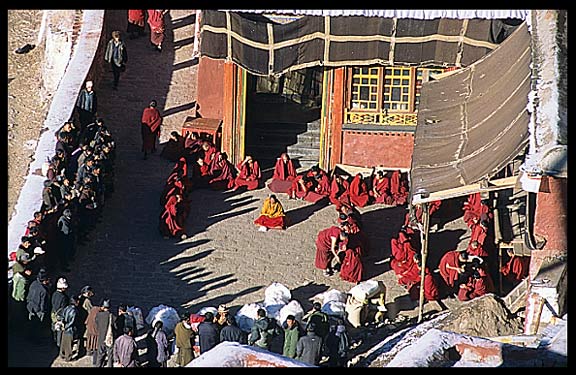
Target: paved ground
(225,259)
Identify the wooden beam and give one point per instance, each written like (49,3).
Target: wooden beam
(424,252)
(503,183)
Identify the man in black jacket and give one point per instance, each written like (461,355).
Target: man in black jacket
(70,333)
(87,104)
(231,332)
(208,333)
(309,347)
(59,302)
(104,318)
(38,303)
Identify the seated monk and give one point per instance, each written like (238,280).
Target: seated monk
(284,174)
(221,173)
(381,189)
(339,191)
(351,267)
(402,253)
(479,231)
(207,153)
(192,146)
(474,248)
(398,188)
(312,186)
(272,215)
(249,174)
(516,269)
(477,284)
(173,217)
(174,148)
(358,191)
(477,209)
(451,266)
(328,247)
(431,291)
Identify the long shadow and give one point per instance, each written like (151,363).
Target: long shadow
(180,108)
(185,64)
(298,215)
(183,42)
(224,299)
(305,292)
(450,210)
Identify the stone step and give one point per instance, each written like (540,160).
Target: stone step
(302,151)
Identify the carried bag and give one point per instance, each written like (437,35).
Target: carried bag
(109,340)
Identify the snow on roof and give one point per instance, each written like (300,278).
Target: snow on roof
(233,354)
(398,13)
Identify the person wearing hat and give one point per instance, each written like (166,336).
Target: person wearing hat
(221,316)
(105,321)
(150,128)
(319,318)
(84,307)
(185,338)
(309,347)
(60,300)
(38,303)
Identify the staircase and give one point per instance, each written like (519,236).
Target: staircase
(265,141)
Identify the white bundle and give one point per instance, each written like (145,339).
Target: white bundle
(206,309)
(367,289)
(333,295)
(168,315)
(291,308)
(277,294)
(246,316)
(137,313)
(335,308)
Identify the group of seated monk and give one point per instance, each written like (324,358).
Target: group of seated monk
(174,202)
(341,247)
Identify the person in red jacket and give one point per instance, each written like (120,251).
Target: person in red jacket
(136,18)
(328,247)
(431,291)
(157,27)
(150,128)
(351,268)
(451,266)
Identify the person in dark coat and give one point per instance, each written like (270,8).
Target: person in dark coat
(309,347)
(59,301)
(125,319)
(337,345)
(66,237)
(87,104)
(231,332)
(161,341)
(126,350)
(104,319)
(38,302)
(263,330)
(208,333)
(292,333)
(71,325)
(117,56)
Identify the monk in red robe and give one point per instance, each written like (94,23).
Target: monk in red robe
(157,27)
(328,248)
(249,174)
(173,217)
(284,174)
(452,265)
(516,269)
(358,191)
(339,191)
(398,188)
(150,128)
(174,148)
(477,209)
(311,186)
(479,232)
(431,291)
(381,189)
(351,267)
(474,248)
(136,19)
(221,173)
(402,253)
(272,215)
(478,284)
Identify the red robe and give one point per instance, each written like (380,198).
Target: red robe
(224,179)
(478,234)
(398,188)
(136,16)
(248,176)
(358,191)
(284,174)
(351,268)
(173,217)
(150,128)
(410,276)
(382,187)
(431,291)
(157,26)
(321,189)
(450,258)
(323,243)
(517,269)
(478,251)
(402,253)
(476,287)
(339,193)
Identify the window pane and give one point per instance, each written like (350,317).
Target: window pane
(386,105)
(404,98)
(395,94)
(406,72)
(387,89)
(373,97)
(394,106)
(396,72)
(405,82)
(405,90)
(396,82)
(372,106)
(374,71)
(387,81)
(364,81)
(354,96)
(388,71)
(364,71)
(386,98)
(355,71)
(356,80)
(373,81)
(374,89)
(364,93)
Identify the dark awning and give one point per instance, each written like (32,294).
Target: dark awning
(264,47)
(474,122)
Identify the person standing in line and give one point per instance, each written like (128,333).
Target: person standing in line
(150,128)
(161,342)
(59,302)
(309,347)
(231,332)
(105,322)
(185,338)
(84,307)
(263,330)
(208,333)
(292,333)
(87,105)
(125,350)
(117,56)
(71,325)
(38,303)
(157,27)
(337,345)
(135,26)
(20,281)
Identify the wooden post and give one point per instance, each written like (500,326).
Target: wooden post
(424,253)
